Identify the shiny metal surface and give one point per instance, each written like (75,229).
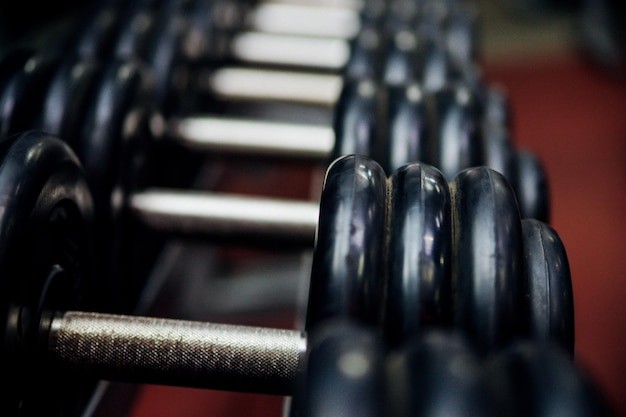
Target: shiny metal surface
(217,214)
(289,86)
(312,20)
(301,51)
(232,135)
(177,352)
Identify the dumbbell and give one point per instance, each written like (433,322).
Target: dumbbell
(350,371)
(45,225)
(165,44)
(366,66)
(152,207)
(366,59)
(47,240)
(162,41)
(67,102)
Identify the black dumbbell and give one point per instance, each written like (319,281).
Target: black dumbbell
(241,131)
(357,133)
(344,374)
(436,373)
(433,62)
(439,373)
(110,160)
(159,34)
(453,143)
(467,245)
(351,240)
(162,40)
(535,379)
(45,226)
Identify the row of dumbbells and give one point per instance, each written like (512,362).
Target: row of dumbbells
(413,237)
(395,260)
(103,105)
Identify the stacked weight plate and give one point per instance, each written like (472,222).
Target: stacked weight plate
(429,268)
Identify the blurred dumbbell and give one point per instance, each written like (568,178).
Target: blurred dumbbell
(157,34)
(350,371)
(165,36)
(114,143)
(439,373)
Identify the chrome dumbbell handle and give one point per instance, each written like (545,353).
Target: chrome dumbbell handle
(216,214)
(178,352)
(221,134)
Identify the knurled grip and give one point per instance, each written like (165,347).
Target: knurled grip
(177,352)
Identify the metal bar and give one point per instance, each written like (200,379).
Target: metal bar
(289,86)
(227,216)
(177,352)
(306,19)
(299,51)
(252,137)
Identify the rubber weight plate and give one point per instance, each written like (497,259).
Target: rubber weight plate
(114,151)
(455,142)
(344,373)
(540,380)
(531,187)
(436,374)
(358,119)
(67,99)
(348,256)
(408,127)
(548,286)
(418,291)
(488,267)
(22,96)
(45,264)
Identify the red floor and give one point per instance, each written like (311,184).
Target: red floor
(575,120)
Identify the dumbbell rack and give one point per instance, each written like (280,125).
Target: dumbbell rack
(199,260)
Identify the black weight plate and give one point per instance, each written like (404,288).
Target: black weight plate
(366,55)
(531,187)
(497,107)
(135,33)
(22,98)
(113,151)
(402,15)
(455,142)
(457,24)
(164,55)
(358,119)
(97,31)
(548,286)
(418,291)
(401,64)
(67,99)
(408,128)
(122,88)
(541,380)
(499,152)
(12,62)
(489,260)
(373,13)
(436,374)
(436,67)
(45,265)
(344,374)
(348,255)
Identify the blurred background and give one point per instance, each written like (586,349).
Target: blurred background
(563,66)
